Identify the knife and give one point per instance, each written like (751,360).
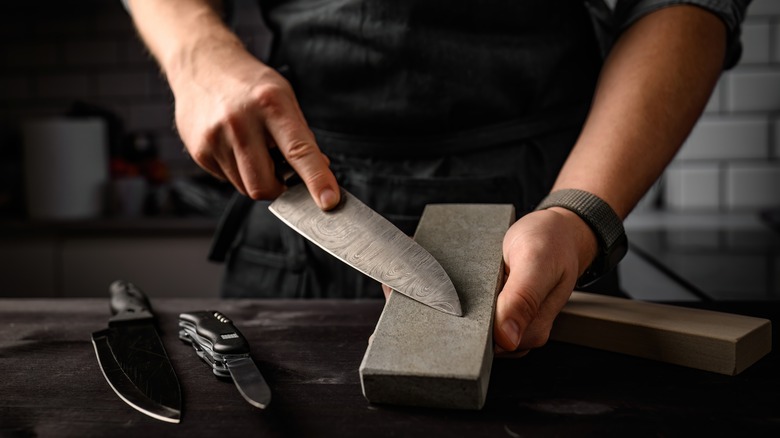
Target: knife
(220,344)
(365,240)
(132,356)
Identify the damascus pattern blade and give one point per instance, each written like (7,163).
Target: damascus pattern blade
(363,239)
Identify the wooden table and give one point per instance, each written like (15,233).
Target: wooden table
(310,351)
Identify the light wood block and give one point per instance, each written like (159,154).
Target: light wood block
(420,356)
(713,341)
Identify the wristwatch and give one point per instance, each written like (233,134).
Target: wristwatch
(605,223)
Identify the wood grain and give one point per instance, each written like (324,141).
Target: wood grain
(713,341)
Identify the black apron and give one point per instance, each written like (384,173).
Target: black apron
(416,102)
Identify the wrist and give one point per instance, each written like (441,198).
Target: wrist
(585,240)
(199,54)
(605,225)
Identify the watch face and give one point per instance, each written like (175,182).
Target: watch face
(617,252)
(604,262)
(587,278)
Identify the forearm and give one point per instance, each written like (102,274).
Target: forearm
(652,89)
(177,31)
(231,109)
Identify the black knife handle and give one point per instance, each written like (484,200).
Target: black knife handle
(282,169)
(128,302)
(216,328)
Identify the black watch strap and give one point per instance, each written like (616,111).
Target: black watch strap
(604,222)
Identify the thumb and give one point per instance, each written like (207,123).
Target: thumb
(516,308)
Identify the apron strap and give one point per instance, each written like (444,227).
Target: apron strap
(229,225)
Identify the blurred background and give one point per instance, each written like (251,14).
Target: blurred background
(77,87)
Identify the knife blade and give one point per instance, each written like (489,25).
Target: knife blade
(365,240)
(132,357)
(219,343)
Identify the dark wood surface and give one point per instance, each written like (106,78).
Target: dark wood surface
(310,352)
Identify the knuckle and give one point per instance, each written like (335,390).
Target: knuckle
(526,305)
(257,193)
(316,177)
(261,190)
(300,149)
(212,136)
(201,155)
(267,97)
(231,120)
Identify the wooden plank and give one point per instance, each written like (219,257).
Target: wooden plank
(420,356)
(713,341)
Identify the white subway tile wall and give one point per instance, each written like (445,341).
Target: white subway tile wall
(728,137)
(752,185)
(756,38)
(764,7)
(731,160)
(697,186)
(54,53)
(776,139)
(714,104)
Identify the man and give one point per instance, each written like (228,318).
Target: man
(417,102)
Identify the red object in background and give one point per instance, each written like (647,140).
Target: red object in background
(122,168)
(156,171)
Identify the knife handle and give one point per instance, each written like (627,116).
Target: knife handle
(282,169)
(128,302)
(217,329)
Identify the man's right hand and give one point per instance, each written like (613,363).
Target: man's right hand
(231,109)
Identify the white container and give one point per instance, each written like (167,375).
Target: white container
(65,168)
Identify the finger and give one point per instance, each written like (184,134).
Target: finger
(538,331)
(226,161)
(254,164)
(503,354)
(230,169)
(203,156)
(209,164)
(517,306)
(216,162)
(299,147)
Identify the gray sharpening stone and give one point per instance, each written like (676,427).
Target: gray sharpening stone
(420,356)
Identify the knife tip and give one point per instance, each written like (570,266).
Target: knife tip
(449,308)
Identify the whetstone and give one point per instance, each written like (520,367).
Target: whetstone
(420,356)
(712,341)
